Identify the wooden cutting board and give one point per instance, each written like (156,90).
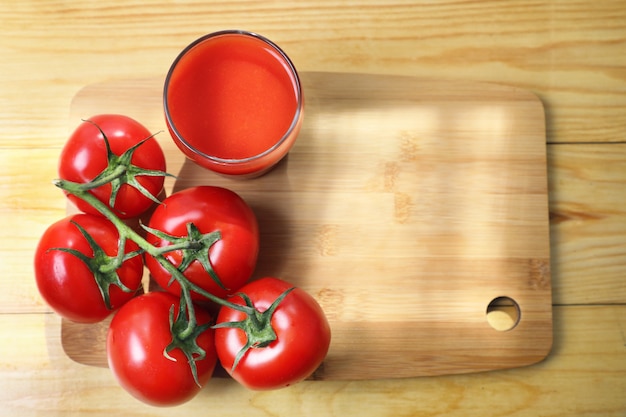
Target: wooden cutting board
(415,211)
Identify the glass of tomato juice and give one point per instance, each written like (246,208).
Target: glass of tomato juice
(233,103)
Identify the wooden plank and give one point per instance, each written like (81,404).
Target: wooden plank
(570,53)
(405,208)
(29,202)
(584,375)
(588,218)
(586,205)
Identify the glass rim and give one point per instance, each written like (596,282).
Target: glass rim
(232,161)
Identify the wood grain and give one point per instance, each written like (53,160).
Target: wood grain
(569,53)
(586,370)
(588,218)
(405,208)
(586,206)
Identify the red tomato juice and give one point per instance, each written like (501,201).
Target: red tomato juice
(233,96)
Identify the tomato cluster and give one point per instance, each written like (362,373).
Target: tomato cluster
(200,247)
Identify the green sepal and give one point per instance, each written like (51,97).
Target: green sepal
(120,170)
(185,338)
(256,326)
(194,246)
(102,266)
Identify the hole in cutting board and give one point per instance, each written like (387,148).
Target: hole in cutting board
(503,313)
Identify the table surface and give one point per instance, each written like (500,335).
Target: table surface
(571,54)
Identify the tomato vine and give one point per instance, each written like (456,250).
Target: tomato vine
(195,246)
(200,245)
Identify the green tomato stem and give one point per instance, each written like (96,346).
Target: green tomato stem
(184,327)
(127,232)
(106,179)
(185,330)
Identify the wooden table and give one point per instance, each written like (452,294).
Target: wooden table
(571,54)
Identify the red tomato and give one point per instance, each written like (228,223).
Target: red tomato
(137,337)
(233,257)
(84,156)
(302,337)
(67,284)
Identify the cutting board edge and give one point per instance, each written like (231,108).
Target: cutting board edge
(152,82)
